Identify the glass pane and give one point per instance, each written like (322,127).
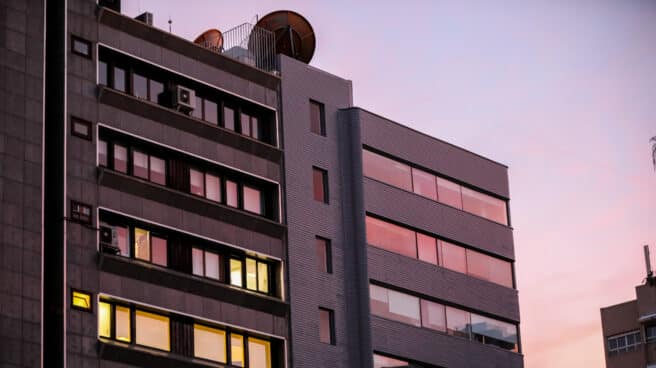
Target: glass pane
(196,182)
(484,205)
(102,73)
(159,250)
(493,332)
(237,350)
(403,307)
(457,322)
(212,187)
(122,323)
(259,353)
(212,266)
(235,272)
(379,303)
(102,153)
(262,277)
(228,118)
(427,248)
(142,244)
(316,122)
(140,164)
(324,326)
(453,257)
(120,239)
(104,320)
(152,330)
(198,111)
(423,184)
(386,170)
(386,362)
(197,261)
(318,182)
(156,89)
(139,86)
(251,274)
(322,254)
(231,194)
(81,47)
(489,268)
(252,200)
(449,193)
(433,316)
(211,114)
(157,170)
(210,343)
(255,128)
(245,124)
(120,158)
(119,79)
(391,237)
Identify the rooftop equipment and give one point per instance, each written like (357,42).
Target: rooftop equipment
(146,17)
(294,35)
(211,39)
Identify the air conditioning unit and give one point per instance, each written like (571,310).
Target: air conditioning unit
(184,99)
(109,240)
(146,17)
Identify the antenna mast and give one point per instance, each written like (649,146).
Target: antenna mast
(650,273)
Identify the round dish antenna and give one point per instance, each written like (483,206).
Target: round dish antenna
(294,34)
(211,39)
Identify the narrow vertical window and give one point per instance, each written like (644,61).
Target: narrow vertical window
(211,114)
(142,244)
(102,73)
(119,79)
(197,262)
(252,200)
(120,240)
(324,257)
(122,323)
(235,272)
(251,274)
(198,111)
(159,251)
(140,164)
(139,86)
(196,182)
(423,184)
(157,170)
(449,193)
(427,248)
(212,187)
(212,265)
(104,320)
(245,124)
(320,184)
(228,118)
(102,152)
(326,326)
(232,197)
(317,118)
(120,158)
(237,350)
(156,89)
(458,322)
(255,128)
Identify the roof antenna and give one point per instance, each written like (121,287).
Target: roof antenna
(650,273)
(170,22)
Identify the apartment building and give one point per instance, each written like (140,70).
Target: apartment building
(170,203)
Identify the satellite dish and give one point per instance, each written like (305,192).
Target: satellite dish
(294,34)
(211,39)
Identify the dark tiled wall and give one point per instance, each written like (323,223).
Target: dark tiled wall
(21,124)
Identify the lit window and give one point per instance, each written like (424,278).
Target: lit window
(262,277)
(317,118)
(212,265)
(326,326)
(324,259)
(235,272)
(252,200)
(320,184)
(81,300)
(236,350)
(81,47)
(152,330)
(251,274)
(120,158)
(259,353)
(209,343)
(122,315)
(104,320)
(142,244)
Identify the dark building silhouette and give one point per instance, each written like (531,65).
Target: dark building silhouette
(173,204)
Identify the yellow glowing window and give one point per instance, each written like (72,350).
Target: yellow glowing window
(104,320)
(235,272)
(122,316)
(263,277)
(259,353)
(210,343)
(142,244)
(251,274)
(152,330)
(237,350)
(81,300)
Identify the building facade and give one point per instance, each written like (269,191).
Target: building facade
(167,205)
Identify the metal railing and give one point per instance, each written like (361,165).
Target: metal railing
(251,45)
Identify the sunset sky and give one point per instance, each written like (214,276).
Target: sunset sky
(563,94)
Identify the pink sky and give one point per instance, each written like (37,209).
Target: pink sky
(564,94)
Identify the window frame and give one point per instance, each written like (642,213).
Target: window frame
(322,117)
(327,267)
(90,309)
(324,183)
(76,212)
(75,120)
(331,325)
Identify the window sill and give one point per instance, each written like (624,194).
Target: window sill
(162,276)
(144,357)
(161,114)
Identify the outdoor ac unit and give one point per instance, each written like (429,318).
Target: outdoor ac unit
(109,240)
(184,99)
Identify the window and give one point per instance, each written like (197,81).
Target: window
(114,239)
(394,305)
(196,183)
(252,200)
(433,316)
(81,47)
(81,212)
(120,158)
(81,300)
(624,343)
(159,251)
(650,333)
(259,353)
(210,343)
(326,326)
(317,118)
(228,118)
(81,128)
(324,255)
(386,170)
(157,170)
(449,193)
(257,275)
(381,361)
(103,71)
(150,248)
(391,237)
(210,111)
(454,257)
(232,196)
(142,244)
(140,164)
(484,205)
(489,268)
(148,167)
(206,263)
(119,79)
(104,320)
(139,86)
(427,248)
(213,187)
(114,322)
(237,350)
(320,184)
(152,330)
(424,184)
(235,272)
(102,153)
(493,332)
(249,126)
(123,332)
(155,90)
(458,322)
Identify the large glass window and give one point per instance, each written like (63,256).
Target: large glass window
(484,205)
(391,237)
(489,268)
(493,332)
(257,275)
(457,322)
(449,193)
(259,353)
(424,184)
(624,343)
(210,343)
(394,305)
(152,330)
(433,315)
(453,257)
(386,170)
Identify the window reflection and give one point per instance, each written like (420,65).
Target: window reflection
(433,315)
(196,182)
(228,118)
(493,332)
(120,158)
(252,200)
(427,248)
(157,170)
(140,164)
(484,205)
(458,322)
(232,198)
(453,257)
(387,362)
(386,170)
(102,153)
(142,244)
(394,305)
(449,193)
(391,237)
(424,184)
(139,86)
(119,79)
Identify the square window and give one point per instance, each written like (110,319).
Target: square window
(317,118)
(81,212)
(326,326)
(81,47)
(324,256)
(81,128)
(320,184)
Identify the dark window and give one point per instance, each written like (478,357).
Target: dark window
(317,118)
(119,79)
(81,128)
(650,333)
(103,71)
(155,90)
(81,47)
(198,111)
(324,255)
(249,126)
(320,184)
(228,118)
(326,326)
(210,111)
(139,86)
(81,212)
